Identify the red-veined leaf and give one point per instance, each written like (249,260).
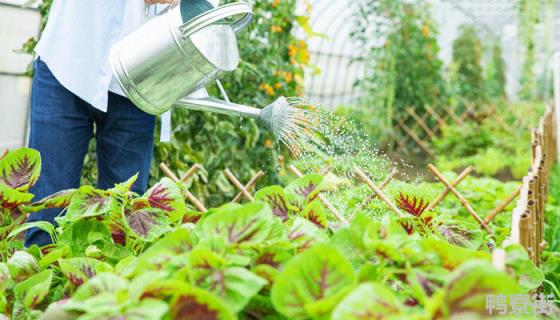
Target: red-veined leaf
(276,198)
(90,202)
(148,223)
(20,169)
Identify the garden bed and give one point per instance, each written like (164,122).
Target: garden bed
(302,251)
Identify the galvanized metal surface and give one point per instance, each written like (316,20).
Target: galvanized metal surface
(167,59)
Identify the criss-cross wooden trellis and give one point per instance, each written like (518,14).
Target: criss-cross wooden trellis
(418,127)
(527,218)
(450,187)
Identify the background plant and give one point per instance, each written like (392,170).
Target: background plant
(467,75)
(495,73)
(400,51)
(529,14)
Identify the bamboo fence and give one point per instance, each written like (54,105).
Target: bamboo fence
(528,217)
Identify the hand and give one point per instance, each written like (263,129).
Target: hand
(150,2)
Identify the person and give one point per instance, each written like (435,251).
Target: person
(74,91)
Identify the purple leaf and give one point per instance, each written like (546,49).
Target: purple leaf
(167,196)
(20,169)
(275,197)
(147,223)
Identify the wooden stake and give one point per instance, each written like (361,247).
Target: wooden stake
(4,154)
(372,196)
(503,205)
(463,201)
(197,203)
(327,204)
(190,172)
(168,172)
(499,259)
(238,185)
(249,186)
(454,183)
(524,231)
(379,193)
(532,237)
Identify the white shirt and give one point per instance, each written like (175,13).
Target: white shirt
(76,42)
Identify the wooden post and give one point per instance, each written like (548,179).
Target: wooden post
(190,172)
(463,201)
(499,259)
(238,185)
(382,186)
(503,205)
(4,154)
(524,231)
(379,193)
(454,183)
(197,203)
(249,186)
(532,239)
(324,200)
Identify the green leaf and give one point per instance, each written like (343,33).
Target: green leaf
(312,283)
(90,202)
(247,224)
(315,213)
(3,306)
(470,284)
(461,233)
(43,225)
(350,240)
(4,277)
(147,224)
(10,198)
(276,198)
(60,252)
(60,199)
(20,169)
(236,286)
(102,283)
(303,22)
(192,303)
(176,242)
(368,301)
(304,234)
(304,189)
(33,290)
(124,187)
(167,196)
(77,235)
(22,265)
(80,270)
(147,309)
(448,255)
(529,276)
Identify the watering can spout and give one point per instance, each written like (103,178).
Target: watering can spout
(200,101)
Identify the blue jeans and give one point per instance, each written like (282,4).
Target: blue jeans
(62,125)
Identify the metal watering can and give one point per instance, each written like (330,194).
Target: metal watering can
(169,60)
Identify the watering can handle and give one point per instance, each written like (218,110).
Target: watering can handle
(220,13)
